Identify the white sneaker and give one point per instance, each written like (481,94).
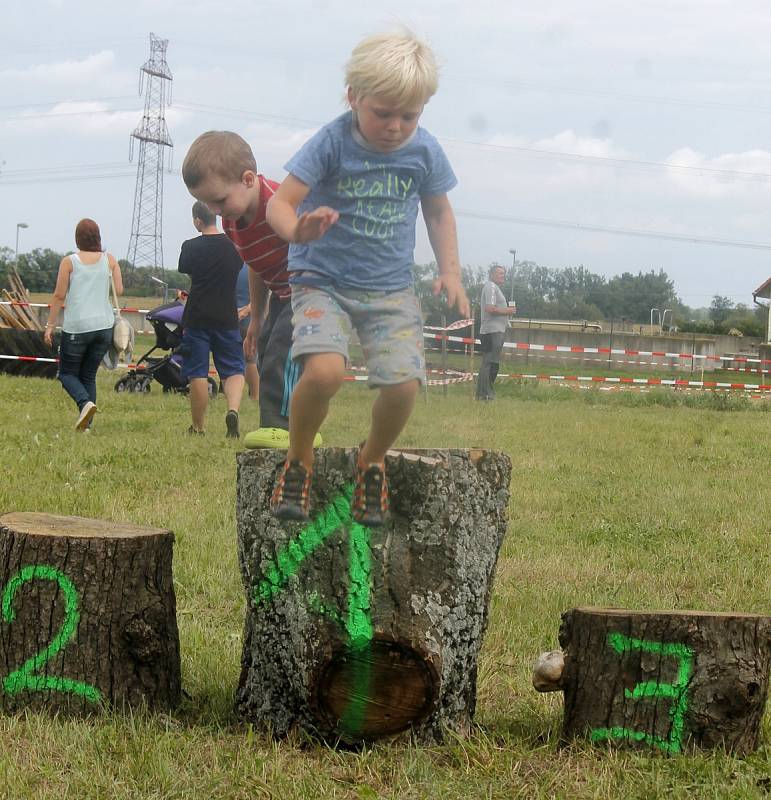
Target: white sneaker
(86,415)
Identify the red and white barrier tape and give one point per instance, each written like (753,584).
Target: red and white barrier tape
(559,348)
(30,358)
(453,326)
(464,377)
(48,305)
(676,382)
(556,348)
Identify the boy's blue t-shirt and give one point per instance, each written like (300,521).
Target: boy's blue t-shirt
(377,194)
(242,287)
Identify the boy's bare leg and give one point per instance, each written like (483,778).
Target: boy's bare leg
(234,389)
(252,377)
(199,399)
(390,413)
(322,376)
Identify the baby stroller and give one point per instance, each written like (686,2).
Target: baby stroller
(167,370)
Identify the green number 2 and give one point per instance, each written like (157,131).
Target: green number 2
(25,677)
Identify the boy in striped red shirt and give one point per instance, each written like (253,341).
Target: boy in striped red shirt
(220,170)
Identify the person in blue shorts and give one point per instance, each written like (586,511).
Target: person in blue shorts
(348,208)
(210,320)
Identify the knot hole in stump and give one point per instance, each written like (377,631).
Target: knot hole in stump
(375,689)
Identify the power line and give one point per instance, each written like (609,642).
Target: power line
(556,154)
(525,151)
(69,46)
(476,80)
(74,167)
(59,102)
(548,154)
(605,93)
(492,82)
(581,227)
(249,114)
(66,178)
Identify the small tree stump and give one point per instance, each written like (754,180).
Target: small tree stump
(356,634)
(88,615)
(665,680)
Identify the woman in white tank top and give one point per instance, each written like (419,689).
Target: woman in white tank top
(84,283)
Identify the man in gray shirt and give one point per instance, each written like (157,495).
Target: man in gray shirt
(495,317)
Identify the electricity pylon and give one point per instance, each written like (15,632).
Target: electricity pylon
(146,242)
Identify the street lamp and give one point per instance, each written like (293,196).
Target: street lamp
(513,268)
(165,287)
(16,255)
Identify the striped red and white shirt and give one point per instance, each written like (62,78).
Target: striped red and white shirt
(264,251)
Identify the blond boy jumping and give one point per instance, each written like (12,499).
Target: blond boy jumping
(348,208)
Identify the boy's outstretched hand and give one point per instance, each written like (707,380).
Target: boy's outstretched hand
(456,294)
(312,225)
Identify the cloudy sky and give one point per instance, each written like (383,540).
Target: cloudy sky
(567,123)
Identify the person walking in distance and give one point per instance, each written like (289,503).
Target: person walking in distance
(83,288)
(492,332)
(211,320)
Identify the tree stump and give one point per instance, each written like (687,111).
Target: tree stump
(88,615)
(665,680)
(355,634)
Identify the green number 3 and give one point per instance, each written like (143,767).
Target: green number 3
(25,677)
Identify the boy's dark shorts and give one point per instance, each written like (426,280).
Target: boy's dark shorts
(225,346)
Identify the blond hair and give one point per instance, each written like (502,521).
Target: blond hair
(396,66)
(221,153)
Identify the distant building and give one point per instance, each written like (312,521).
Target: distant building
(762,297)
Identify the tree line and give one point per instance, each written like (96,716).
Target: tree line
(569,293)
(39,268)
(575,293)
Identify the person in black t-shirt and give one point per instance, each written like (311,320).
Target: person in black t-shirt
(211,319)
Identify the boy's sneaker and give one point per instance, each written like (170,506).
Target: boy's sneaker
(86,415)
(291,496)
(276,438)
(370,495)
(231,423)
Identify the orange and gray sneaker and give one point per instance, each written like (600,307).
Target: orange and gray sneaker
(291,496)
(370,495)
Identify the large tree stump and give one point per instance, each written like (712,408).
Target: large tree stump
(356,634)
(88,615)
(665,680)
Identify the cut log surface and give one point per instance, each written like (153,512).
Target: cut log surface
(356,634)
(88,615)
(665,680)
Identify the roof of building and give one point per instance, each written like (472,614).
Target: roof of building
(764,290)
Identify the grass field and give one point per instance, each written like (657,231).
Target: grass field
(645,501)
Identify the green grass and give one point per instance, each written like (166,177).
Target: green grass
(656,500)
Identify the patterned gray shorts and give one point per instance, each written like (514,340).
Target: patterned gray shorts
(389,326)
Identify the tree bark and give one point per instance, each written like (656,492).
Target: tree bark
(356,634)
(88,615)
(665,680)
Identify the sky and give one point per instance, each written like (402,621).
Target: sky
(566,123)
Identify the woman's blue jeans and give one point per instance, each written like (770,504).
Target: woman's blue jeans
(79,357)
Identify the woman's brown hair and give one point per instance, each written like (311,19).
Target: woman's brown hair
(87,236)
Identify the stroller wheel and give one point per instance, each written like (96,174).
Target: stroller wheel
(124,384)
(143,385)
(213,388)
